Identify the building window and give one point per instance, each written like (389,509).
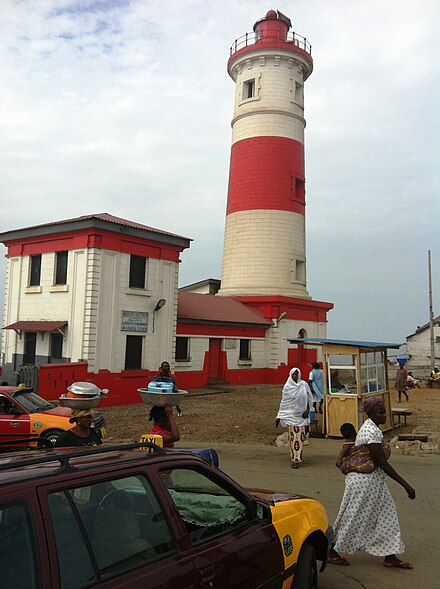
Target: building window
(245,349)
(35,270)
(61,268)
(249,89)
(56,347)
(182,349)
(30,345)
(133,352)
(138,266)
(302,333)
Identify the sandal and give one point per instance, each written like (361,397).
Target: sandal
(340,560)
(399,564)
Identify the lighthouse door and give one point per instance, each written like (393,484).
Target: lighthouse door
(215,359)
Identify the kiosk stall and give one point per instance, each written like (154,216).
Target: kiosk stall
(353,371)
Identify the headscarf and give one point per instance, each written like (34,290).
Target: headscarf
(294,401)
(372,404)
(77,413)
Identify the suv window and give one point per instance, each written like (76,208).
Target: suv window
(115,526)
(207,508)
(18,554)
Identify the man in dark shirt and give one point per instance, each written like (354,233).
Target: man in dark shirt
(165,376)
(80,435)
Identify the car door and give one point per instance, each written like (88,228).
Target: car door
(110,531)
(14,421)
(231,546)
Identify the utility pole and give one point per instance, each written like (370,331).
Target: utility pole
(431,313)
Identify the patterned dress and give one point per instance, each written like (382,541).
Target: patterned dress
(367,519)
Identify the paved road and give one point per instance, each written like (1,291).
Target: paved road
(268,467)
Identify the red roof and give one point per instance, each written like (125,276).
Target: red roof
(103,217)
(36,325)
(203,307)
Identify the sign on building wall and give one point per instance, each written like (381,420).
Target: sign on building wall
(230,344)
(134,321)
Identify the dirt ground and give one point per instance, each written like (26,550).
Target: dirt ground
(246,415)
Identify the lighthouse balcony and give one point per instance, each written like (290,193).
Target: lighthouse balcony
(280,40)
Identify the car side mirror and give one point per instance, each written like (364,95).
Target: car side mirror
(261,512)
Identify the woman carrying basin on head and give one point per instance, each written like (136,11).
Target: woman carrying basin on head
(296,402)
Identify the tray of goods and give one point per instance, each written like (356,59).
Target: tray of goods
(161,393)
(82,395)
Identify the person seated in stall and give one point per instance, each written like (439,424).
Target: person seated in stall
(434,377)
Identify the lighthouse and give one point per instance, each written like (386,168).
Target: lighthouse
(265,244)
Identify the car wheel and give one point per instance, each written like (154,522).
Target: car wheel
(306,576)
(52,435)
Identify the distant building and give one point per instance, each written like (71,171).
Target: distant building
(418,347)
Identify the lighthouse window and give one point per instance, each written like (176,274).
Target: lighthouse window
(300,271)
(299,92)
(249,89)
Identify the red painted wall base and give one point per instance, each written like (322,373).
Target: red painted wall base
(122,386)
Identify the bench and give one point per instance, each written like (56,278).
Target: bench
(397,412)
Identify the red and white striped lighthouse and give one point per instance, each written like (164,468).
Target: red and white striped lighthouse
(264,247)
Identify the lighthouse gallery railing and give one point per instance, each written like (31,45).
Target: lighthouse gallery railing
(251,39)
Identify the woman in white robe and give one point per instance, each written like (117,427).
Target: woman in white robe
(296,402)
(367,518)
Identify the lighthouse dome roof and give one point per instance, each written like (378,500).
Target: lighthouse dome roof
(271,14)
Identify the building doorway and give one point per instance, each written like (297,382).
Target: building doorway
(215,360)
(30,345)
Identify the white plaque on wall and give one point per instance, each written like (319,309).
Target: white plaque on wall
(230,344)
(134,321)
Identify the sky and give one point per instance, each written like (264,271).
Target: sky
(125,106)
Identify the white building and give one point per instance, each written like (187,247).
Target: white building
(418,348)
(86,289)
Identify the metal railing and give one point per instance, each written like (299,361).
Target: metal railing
(251,39)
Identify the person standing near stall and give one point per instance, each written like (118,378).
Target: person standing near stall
(296,402)
(316,382)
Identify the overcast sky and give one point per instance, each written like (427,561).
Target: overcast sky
(124,107)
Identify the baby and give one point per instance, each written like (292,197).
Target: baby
(349,433)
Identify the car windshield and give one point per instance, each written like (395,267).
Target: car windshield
(32,402)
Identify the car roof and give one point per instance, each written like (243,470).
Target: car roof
(12,390)
(23,465)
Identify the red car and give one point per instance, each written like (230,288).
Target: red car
(24,414)
(115,517)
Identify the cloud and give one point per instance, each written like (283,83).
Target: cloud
(125,107)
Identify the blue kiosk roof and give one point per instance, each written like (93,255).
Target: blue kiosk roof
(342,342)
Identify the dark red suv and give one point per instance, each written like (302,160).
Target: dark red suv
(119,517)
